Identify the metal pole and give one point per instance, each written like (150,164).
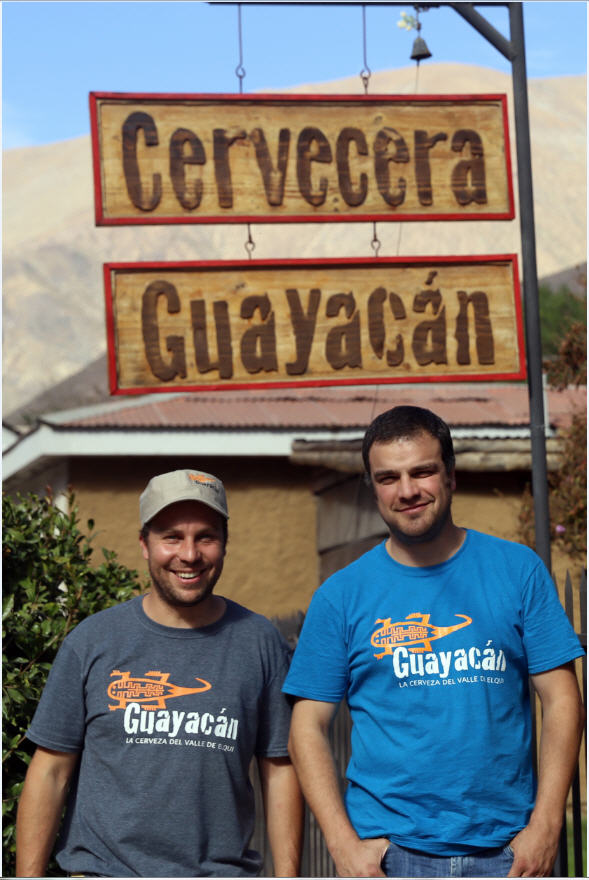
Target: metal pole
(530,285)
(485,29)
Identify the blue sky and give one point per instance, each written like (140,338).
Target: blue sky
(54,53)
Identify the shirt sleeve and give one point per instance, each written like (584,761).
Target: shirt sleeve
(60,719)
(275,708)
(549,638)
(319,670)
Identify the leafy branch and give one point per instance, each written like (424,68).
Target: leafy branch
(50,584)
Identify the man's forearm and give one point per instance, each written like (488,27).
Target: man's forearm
(39,811)
(313,760)
(562,729)
(536,845)
(284,809)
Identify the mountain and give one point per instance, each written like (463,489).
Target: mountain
(53,315)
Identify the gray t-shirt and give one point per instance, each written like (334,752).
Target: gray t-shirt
(167,721)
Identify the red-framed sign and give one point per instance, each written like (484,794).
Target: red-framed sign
(194,326)
(299,158)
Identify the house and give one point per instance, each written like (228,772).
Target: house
(291,463)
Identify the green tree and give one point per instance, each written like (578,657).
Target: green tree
(567,487)
(559,310)
(49,586)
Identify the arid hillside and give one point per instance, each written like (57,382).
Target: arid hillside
(53,316)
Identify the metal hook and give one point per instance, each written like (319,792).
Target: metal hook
(250,245)
(365,72)
(375,243)
(240,69)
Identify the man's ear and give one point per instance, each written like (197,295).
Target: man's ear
(452,479)
(143,543)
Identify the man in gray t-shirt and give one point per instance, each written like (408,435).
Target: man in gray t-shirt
(152,713)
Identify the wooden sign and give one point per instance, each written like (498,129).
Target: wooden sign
(288,158)
(212,325)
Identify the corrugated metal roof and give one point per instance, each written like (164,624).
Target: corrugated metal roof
(332,408)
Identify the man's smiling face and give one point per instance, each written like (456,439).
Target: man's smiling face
(184,548)
(412,487)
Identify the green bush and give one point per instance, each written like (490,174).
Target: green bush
(49,586)
(570,365)
(559,310)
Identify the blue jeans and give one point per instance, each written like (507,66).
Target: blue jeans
(401,862)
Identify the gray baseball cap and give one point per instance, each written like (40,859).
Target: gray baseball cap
(186,485)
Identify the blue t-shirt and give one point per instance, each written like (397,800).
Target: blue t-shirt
(434,662)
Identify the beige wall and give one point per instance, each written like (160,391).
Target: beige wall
(488,502)
(492,502)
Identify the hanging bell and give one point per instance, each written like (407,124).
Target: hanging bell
(420,51)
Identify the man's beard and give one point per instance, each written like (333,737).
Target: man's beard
(429,534)
(170,597)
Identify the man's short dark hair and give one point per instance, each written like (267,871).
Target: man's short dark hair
(407,421)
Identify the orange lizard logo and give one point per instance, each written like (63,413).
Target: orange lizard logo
(416,635)
(152,689)
(199,478)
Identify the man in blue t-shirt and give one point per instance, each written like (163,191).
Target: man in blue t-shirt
(152,713)
(431,637)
